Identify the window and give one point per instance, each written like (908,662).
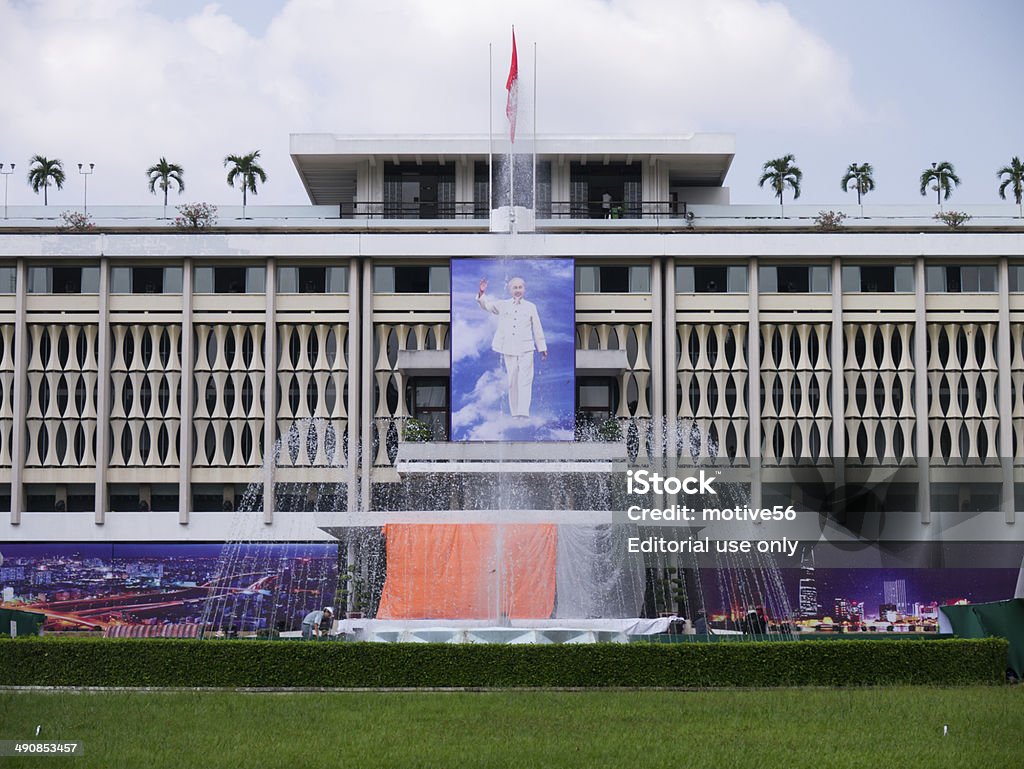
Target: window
(212,498)
(613,279)
(230,280)
(8,280)
(955,279)
(145,280)
(312,280)
(1016,278)
(128,498)
(605,191)
(881,279)
(711,279)
(795,279)
(412,279)
(427,400)
(63,280)
(163,497)
(81,498)
(596,399)
(42,498)
(419,191)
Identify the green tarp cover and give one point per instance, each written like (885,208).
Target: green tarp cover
(1005,619)
(963,620)
(26,622)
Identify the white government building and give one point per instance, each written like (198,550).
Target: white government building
(143,371)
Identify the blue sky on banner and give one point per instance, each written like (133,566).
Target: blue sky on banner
(480,409)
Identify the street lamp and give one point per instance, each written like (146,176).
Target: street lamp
(85,199)
(5,175)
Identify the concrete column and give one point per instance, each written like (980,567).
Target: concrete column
(366,385)
(270,392)
(1005,402)
(924,491)
(657,360)
(19,403)
(354,379)
(836,352)
(754,380)
(668,297)
(187,388)
(103,392)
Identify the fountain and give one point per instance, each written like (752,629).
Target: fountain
(506,534)
(401,574)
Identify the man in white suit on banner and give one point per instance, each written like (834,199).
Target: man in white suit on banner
(519,334)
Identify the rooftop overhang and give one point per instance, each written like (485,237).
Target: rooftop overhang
(328,162)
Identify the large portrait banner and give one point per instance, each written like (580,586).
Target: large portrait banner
(513,347)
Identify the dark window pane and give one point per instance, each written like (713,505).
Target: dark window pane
(147,280)
(312,280)
(710,279)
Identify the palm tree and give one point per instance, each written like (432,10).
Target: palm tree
(782,173)
(863,180)
(42,172)
(1014,174)
(945,178)
(163,175)
(246,168)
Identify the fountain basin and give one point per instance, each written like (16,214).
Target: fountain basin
(552,631)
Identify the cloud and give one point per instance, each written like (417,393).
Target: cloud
(471,340)
(485,402)
(483,417)
(117,83)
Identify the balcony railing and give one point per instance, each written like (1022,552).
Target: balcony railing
(559,215)
(585,209)
(415,210)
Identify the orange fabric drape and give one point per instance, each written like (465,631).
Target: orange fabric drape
(450,571)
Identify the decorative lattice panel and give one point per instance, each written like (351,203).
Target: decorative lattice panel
(61,415)
(796,377)
(879,392)
(229,395)
(6,392)
(389,408)
(1017,388)
(963,416)
(145,379)
(634,382)
(312,373)
(712,395)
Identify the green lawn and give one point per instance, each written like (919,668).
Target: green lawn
(871,728)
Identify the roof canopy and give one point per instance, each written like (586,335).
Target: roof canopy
(328,163)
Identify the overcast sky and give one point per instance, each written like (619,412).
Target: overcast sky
(899,83)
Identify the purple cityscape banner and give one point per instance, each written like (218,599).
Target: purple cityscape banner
(272,586)
(91,586)
(865,599)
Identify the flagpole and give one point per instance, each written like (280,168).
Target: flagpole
(535,130)
(512,153)
(490,132)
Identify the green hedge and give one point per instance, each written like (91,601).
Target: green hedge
(157,662)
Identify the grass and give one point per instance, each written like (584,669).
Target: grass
(841,728)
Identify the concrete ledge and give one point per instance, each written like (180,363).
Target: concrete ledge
(598,362)
(504,453)
(405,468)
(425,362)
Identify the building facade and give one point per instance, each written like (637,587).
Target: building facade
(149,377)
